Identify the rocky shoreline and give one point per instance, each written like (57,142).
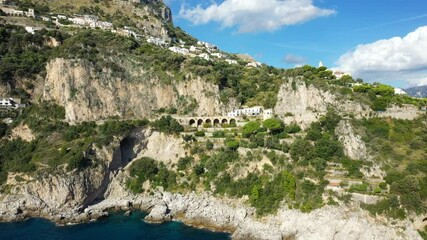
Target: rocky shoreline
(222,215)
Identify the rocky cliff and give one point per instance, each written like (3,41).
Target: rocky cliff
(89,95)
(82,196)
(204,210)
(303,104)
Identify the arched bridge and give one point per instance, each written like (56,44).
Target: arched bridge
(199,121)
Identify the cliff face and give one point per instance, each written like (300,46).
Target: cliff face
(304,104)
(88,95)
(82,196)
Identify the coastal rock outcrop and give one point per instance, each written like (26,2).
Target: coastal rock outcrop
(223,214)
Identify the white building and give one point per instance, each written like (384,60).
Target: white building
(267,114)
(339,74)
(156,41)
(399,91)
(195,49)
(231,61)
(12,11)
(46,19)
(30,30)
(11,103)
(204,56)
(218,55)
(209,46)
(253,111)
(105,25)
(182,51)
(78,20)
(254,64)
(63,17)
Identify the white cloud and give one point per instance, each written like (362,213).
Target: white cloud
(294,59)
(390,59)
(255,15)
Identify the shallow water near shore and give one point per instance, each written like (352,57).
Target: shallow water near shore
(116,226)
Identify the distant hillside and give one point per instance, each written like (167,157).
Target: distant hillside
(420,91)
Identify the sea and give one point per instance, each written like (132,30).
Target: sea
(116,226)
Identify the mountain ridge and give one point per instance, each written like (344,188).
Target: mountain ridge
(418,91)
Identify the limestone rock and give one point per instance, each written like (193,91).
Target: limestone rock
(354,147)
(159,214)
(88,95)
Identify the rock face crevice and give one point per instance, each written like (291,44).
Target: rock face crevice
(88,95)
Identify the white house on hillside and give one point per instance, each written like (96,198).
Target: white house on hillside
(254,64)
(267,114)
(204,56)
(14,12)
(182,51)
(253,111)
(11,103)
(156,41)
(231,61)
(195,49)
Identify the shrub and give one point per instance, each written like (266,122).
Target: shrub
(218,134)
(293,128)
(184,162)
(275,126)
(250,128)
(167,124)
(199,134)
(232,145)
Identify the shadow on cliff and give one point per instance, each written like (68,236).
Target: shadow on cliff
(127,151)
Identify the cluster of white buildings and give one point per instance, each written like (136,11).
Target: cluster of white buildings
(206,51)
(18,13)
(81,20)
(11,103)
(156,41)
(252,112)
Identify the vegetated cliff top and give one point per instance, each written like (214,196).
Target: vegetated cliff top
(140,14)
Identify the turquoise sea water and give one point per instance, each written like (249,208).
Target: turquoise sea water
(116,226)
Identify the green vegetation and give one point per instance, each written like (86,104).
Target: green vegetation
(57,143)
(167,125)
(381,96)
(145,169)
(400,145)
(23,55)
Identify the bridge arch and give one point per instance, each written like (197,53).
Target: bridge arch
(200,122)
(224,121)
(216,122)
(192,122)
(232,121)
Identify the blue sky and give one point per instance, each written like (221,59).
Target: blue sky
(285,33)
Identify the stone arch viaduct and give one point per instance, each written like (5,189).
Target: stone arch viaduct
(199,121)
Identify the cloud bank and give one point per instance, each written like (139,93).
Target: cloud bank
(255,15)
(391,59)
